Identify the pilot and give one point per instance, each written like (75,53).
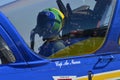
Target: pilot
(49,25)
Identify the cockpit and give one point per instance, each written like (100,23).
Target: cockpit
(83,31)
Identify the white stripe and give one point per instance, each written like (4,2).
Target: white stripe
(113,78)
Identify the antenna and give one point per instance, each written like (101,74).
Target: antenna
(69,9)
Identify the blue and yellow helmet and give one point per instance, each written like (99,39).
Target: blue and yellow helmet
(50,20)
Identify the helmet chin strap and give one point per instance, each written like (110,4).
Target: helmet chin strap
(32,39)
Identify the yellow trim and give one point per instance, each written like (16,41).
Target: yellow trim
(61,14)
(113,75)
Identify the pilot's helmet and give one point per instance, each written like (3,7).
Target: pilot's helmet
(50,22)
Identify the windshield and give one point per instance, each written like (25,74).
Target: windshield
(62,28)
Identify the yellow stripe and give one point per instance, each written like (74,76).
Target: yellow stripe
(104,76)
(61,14)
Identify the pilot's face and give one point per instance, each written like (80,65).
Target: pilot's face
(46,31)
